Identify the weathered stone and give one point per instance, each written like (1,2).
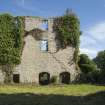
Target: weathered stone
(35,61)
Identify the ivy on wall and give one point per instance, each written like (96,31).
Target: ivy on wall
(68,32)
(19,31)
(67,28)
(11,40)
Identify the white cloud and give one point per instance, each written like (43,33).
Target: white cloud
(88,52)
(98,31)
(93,39)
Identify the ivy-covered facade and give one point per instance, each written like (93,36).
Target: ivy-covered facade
(34,50)
(11,43)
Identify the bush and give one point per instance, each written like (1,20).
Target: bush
(86,68)
(102,77)
(92,77)
(53,79)
(85,78)
(95,76)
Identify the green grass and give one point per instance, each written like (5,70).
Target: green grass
(52,95)
(75,90)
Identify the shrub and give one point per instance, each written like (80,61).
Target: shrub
(102,77)
(86,68)
(85,78)
(95,76)
(53,79)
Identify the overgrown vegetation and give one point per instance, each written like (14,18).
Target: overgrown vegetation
(86,64)
(92,71)
(100,61)
(88,69)
(53,80)
(68,32)
(11,43)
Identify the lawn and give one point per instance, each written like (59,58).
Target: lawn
(52,95)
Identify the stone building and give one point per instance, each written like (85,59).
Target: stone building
(40,58)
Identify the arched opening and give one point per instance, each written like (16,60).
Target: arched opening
(65,77)
(44,78)
(16,78)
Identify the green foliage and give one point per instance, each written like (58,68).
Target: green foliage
(53,79)
(84,59)
(68,32)
(100,60)
(86,68)
(11,43)
(89,70)
(86,65)
(11,33)
(102,77)
(95,75)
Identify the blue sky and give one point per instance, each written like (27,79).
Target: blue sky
(91,14)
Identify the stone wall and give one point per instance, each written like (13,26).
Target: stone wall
(1,76)
(34,61)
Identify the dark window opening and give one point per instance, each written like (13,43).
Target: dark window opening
(16,78)
(65,77)
(44,78)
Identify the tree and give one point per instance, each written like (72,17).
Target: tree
(86,64)
(11,42)
(100,60)
(88,69)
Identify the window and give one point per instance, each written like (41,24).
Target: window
(44,25)
(44,45)
(16,78)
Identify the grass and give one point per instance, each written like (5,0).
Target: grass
(75,90)
(52,95)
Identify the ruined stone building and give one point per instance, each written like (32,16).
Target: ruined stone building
(40,58)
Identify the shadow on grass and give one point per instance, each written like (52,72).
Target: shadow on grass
(34,99)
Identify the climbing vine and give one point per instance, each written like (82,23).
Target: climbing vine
(11,41)
(68,32)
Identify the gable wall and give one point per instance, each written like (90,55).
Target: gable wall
(34,61)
